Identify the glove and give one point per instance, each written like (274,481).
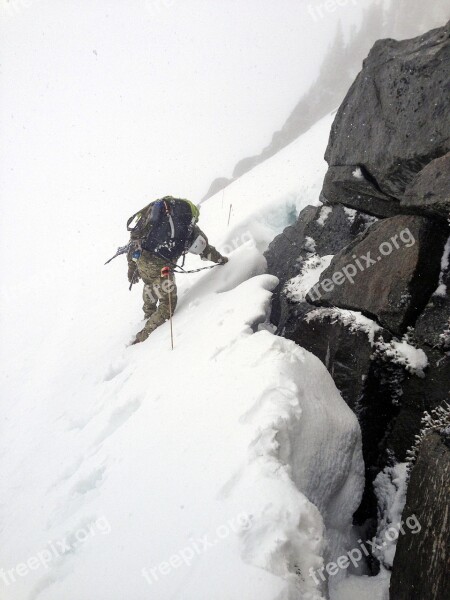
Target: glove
(222,260)
(133,274)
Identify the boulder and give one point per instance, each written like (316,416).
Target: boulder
(348,185)
(433,325)
(393,122)
(429,192)
(344,342)
(388,157)
(320,230)
(417,396)
(387,273)
(285,249)
(421,564)
(344,345)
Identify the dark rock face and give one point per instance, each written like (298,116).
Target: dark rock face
(417,396)
(388,157)
(367,386)
(422,558)
(392,123)
(319,230)
(286,253)
(433,325)
(349,186)
(430,190)
(396,284)
(345,352)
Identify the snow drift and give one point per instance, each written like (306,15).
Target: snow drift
(228,468)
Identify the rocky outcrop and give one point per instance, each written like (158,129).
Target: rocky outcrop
(344,345)
(371,297)
(393,122)
(421,564)
(388,273)
(320,231)
(432,334)
(353,186)
(218,184)
(429,191)
(417,395)
(433,325)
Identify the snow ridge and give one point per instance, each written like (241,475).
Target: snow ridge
(169,449)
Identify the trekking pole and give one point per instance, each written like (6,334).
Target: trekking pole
(229,215)
(165,272)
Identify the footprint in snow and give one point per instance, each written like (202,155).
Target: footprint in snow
(118,418)
(67,474)
(90,483)
(114,369)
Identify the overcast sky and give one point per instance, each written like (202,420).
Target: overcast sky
(152,96)
(107,104)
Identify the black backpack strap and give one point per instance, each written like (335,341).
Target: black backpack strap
(139,214)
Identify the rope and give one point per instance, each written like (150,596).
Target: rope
(179,268)
(183,271)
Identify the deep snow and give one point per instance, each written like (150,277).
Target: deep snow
(225,469)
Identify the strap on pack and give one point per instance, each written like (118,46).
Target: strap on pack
(139,214)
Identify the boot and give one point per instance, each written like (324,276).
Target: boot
(140,337)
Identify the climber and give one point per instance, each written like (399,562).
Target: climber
(161,233)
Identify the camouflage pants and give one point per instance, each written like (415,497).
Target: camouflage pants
(159,294)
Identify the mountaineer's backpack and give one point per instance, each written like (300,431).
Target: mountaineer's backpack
(165,227)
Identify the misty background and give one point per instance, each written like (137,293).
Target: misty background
(107,104)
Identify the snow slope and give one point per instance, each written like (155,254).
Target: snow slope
(225,469)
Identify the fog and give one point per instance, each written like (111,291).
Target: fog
(106,104)
(150,97)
